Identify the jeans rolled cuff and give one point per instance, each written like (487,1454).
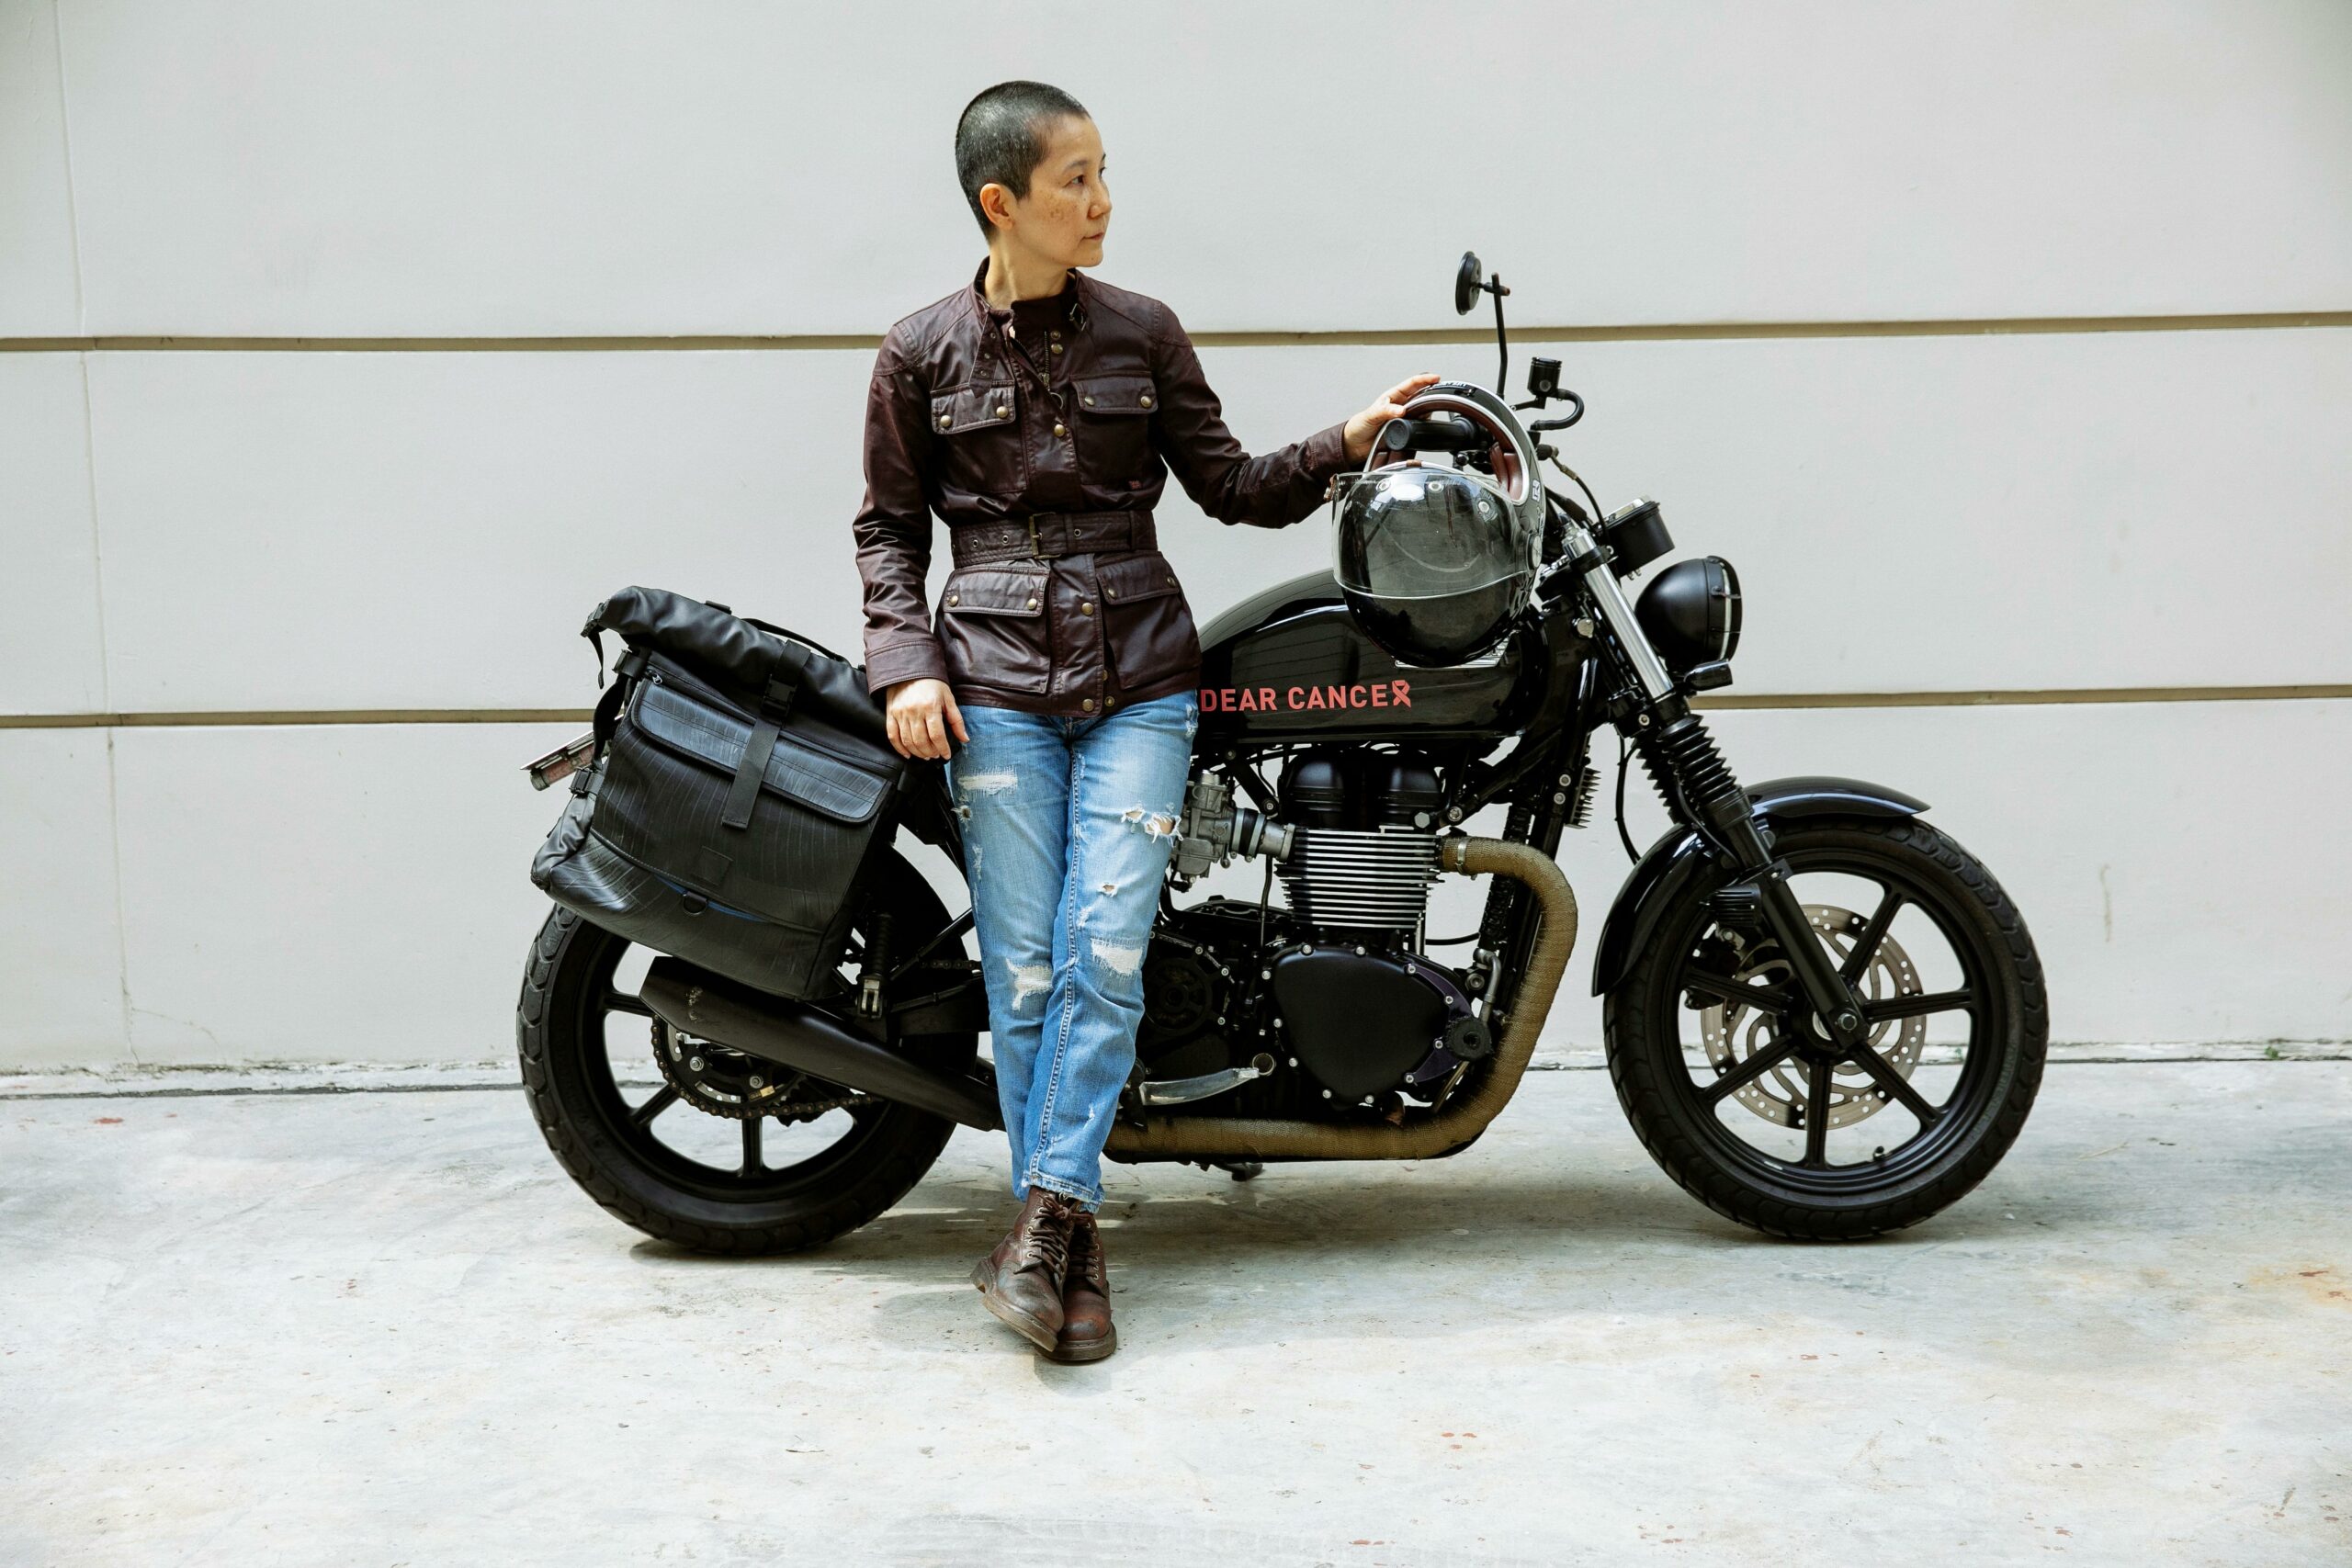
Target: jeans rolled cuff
(1067,1188)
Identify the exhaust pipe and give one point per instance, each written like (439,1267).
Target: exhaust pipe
(697,1002)
(1439,1131)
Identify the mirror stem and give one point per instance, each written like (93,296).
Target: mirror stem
(1502,339)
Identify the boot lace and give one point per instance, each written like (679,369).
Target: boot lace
(1085,1261)
(1047,1241)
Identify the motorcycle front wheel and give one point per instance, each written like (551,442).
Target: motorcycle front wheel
(698,1150)
(1731,1083)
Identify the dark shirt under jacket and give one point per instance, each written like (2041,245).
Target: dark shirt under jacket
(1078,433)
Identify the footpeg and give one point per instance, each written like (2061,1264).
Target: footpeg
(1178,1091)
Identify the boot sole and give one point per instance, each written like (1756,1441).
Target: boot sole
(1033,1329)
(1068,1355)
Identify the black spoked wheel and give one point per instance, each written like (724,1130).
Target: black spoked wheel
(695,1144)
(1738,1090)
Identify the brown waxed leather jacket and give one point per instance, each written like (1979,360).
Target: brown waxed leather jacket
(961,422)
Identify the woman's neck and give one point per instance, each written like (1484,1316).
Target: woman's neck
(1012,278)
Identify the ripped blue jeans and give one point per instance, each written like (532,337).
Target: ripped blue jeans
(1067,827)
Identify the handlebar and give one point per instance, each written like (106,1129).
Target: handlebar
(1446,432)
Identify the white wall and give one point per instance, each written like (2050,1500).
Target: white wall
(412,518)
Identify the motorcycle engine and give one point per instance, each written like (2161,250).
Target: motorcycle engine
(1331,988)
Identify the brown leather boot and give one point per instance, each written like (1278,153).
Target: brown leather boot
(1021,1282)
(1087,1334)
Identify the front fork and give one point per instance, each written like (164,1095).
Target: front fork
(1684,764)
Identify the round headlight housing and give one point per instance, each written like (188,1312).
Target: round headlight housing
(1690,613)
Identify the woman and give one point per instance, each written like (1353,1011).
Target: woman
(1037,412)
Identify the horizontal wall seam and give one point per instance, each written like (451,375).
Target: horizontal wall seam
(230,717)
(1653,332)
(2022,698)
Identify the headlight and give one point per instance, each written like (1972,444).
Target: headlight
(1691,612)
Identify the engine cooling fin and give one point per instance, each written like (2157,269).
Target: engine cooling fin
(1360,878)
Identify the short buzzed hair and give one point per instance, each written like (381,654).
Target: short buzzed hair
(1001,137)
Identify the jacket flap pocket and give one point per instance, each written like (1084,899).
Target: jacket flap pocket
(823,782)
(971,408)
(1129,393)
(993,590)
(1144,576)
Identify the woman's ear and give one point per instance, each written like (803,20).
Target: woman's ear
(996,201)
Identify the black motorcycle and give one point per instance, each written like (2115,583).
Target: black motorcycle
(1823,1017)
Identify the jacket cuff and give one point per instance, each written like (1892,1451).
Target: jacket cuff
(916,660)
(1324,452)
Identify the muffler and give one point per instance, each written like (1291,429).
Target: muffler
(793,1034)
(1432,1133)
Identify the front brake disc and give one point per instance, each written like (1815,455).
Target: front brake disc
(1734,1031)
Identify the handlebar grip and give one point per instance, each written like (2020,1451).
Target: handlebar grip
(1446,432)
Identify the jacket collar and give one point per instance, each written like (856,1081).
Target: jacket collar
(1081,298)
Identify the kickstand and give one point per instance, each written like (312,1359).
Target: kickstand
(1242,1169)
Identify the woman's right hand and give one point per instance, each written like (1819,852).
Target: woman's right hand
(919,715)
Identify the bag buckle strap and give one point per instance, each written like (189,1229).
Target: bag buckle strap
(776,707)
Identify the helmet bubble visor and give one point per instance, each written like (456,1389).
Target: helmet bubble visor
(1434,560)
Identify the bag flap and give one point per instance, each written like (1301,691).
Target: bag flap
(993,590)
(818,780)
(971,408)
(739,655)
(1127,392)
(1144,576)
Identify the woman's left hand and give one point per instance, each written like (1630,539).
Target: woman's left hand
(1390,404)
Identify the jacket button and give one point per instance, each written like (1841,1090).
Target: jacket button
(954,599)
(1085,609)
(946,420)
(1147,399)
(1089,401)
(1033,604)
(1088,705)
(1110,593)
(1056,348)
(1061,430)
(1053,331)
(1003,413)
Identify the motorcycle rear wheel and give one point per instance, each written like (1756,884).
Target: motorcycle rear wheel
(602,1126)
(1706,1112)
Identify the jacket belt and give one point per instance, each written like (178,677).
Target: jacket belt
(1043,535)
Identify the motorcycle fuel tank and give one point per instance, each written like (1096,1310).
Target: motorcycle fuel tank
(1291,663)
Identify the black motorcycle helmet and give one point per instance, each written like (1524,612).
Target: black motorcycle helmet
(1436,562)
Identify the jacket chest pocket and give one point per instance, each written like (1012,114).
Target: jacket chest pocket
(992,628)
(978,438)
(1113,409)
(1147,630)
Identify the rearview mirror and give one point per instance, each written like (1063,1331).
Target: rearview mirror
(1468,283)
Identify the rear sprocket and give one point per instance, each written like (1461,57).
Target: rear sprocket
(719,1080)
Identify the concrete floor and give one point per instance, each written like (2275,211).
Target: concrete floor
(381,1328)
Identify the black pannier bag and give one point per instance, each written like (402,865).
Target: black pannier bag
(740,789)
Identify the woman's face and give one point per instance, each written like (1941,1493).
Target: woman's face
(1067,209)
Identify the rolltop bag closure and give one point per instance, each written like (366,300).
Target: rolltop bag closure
(740,792)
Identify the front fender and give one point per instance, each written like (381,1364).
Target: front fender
(1681,854)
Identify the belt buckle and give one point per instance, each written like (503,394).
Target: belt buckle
(1036,545)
